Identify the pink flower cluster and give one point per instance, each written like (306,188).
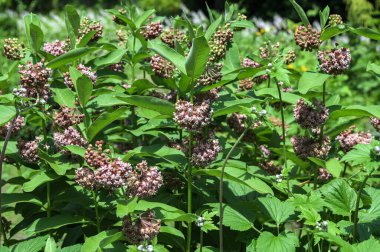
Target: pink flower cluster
(112,175)
(28,150)
(270,167)
(162,67)
(70,136)
(152,30)
(34,79)
(237,122)
(348,138)
(375,123)
(17,126)
(205,150)
(247,62)
(57,47)
(84,70)
(219,42)
(67,117)
(334,61)
(144,228)
(85,177)
(305,147)
(323,174)
(144,181)
(310,116)
(308,38)
(192,117)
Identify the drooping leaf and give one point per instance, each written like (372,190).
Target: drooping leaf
(281,243)
(11,198)
(41,178)
(366,32)
(333,31)
(339,197)
(357,111)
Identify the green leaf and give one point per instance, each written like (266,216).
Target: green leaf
(334,167)
(242,24)
(333,31)
(103,121)
(59,167)
(62,94)
(52,223)
(28,20)
(37,37)
(281,243)
(168,53)
(124,19)
(366,32)
(197,59)
(340,198)
(7,114)
(83,86)
(273,92)
(31,245)
(373,67)
(324,16)
(85,39)
(279,211)
(310,215)
(212,28)
(41,178)
(360,154)
(172,236)
(50,246)
(101,240)
(11,198)
(73,248)
(70,56)
(357,111)
(314,201)
(372,213)
(72,18)
(126,207)
(366,246)
(301,12)
(311,80)
(143,17)
(75,149)
(162,106)
(111,58)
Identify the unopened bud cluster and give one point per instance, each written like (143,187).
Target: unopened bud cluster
(323,175)
(375,123)
(57,47)
(269,50)
(67,117)
(247,62)
(348,138)
(305,147)
(334,61)
(270,167)
(84,70)
(97,158)
(152,30)
(290,57)
(219,42)
(87,26)
(162,67)
(310,116)
(211,75)
(308,39)
(117,67)
(144,181)
(34,79)
(13,49)
(335,19)
(143,229)
(170,36)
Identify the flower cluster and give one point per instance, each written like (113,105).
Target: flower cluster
(67,117)
(264,150)
(144,181)
(28,150)
(70,136)
(375,123)
(162,67)
(144,228)
(246,84)
(170,36)
(18,124)
(323,174)
(57,47)
(152,30)
(237,122)
(206,150)
(118,20)
(84,70)
(96,158)
(348,138)
(270,167)
(209,96)
(112,175)
(85,177)
(247,62)
(87,26)
(117,67)
(13,49)
(192,117)
(290,57)
(308,38)
(335,19)
(219,43)
(269,50)
(334,61)
(211,75)
(305,147)
(34,79)
(310,116)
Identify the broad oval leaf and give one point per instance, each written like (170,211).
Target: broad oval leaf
(70,56)
(198,57)
(310,80)
(162,106)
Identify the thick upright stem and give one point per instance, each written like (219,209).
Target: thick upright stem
(95,198)
(221,186)
(323,102)
(6,140)
(189,193)
(355,217)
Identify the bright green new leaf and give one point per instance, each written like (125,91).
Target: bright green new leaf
(197,59)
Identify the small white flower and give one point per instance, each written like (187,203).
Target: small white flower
(263,112)
(150,248)
(140,248)
(325,223)
(254,109)
(279,178)
(267,70)
(377,148)
(270,65)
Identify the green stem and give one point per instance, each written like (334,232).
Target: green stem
(323,102)
(201,241)
(221,186)
(269,81)
(48,199)
(344,170)
(355,217)
(315,178)
(189,193)
(95,198)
